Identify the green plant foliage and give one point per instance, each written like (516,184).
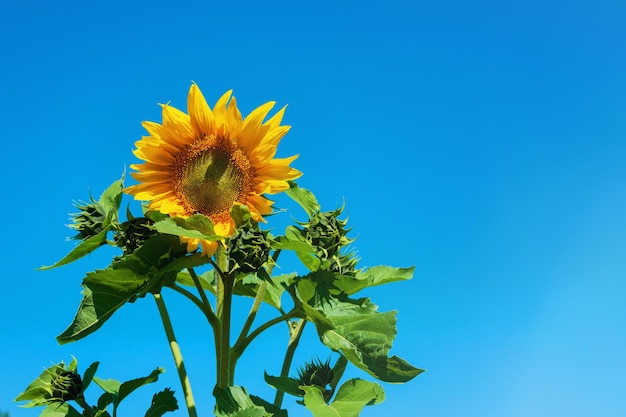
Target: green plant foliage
(162,402)
(197,226)
(109,203)
(364,336)
(305,198)
(154,258)
(115,391)
(234,401)
(351,397)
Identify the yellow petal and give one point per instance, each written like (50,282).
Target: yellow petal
(202,119)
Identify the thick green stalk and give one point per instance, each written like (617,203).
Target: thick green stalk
(294,339)
(224,303)
(178,357)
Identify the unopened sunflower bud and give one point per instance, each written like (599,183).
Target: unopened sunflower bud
(66,385)
(89,221)
(133,233)
(316,373)
(327,233)
(249,248)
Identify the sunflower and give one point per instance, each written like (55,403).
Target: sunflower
(209,160)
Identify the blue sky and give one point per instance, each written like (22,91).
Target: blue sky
(482,142)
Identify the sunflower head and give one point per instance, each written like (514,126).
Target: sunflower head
(208,160)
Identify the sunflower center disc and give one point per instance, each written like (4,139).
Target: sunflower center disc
(211,181)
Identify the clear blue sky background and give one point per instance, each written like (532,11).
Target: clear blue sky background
(482,142)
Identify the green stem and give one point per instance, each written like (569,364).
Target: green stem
(80,400)
(178,357)
(294,339)
(224,303)
(242,344)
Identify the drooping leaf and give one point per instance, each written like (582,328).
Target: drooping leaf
(197,226)
(305,198)
(85,247)
(364,336)
(162,403)
(351,397)
(104,292)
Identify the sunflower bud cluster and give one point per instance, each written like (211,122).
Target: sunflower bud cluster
(133,233)
(328,234)
(249,248)
(89,221)
(65,384)
(319,374)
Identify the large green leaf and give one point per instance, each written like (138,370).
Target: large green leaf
(305,198)
(364,336)
(104,292)
(126,279)
(352,396)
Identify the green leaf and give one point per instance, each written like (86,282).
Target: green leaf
(364,336)
(110,386)
(197,226)
(115,392)
(352,396)
(292,240)
(235,402)
(249,286)
(111,199)
(305,198)
(162,402)
(89,374)
(104,292)
(206,279)
(269,407)
(129,386)
(85,247)
(376,275)
(240,214)
(285,384)
(190,261)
